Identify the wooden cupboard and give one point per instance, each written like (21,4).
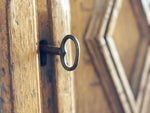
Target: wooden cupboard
(113,72)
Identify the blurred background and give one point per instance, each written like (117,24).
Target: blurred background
(113,73)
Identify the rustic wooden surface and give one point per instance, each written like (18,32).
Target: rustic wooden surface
(24,61)
(89,94)
(22,22)
(5,77)
(59,18)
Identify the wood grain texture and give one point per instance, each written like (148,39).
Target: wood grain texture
(22,20)
(5,76)
(63,90)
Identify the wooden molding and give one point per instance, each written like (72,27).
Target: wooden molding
(102,49)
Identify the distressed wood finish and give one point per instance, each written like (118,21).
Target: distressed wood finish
(59,18)
(5,77)
(24,65)
(113,75)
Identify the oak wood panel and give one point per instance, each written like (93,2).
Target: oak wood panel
(59,18)
(5,76)
(89,93)
(22,20)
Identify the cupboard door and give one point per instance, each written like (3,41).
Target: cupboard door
(25,86)
(56,82)
(120,53)
(89,94)
(20,62)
